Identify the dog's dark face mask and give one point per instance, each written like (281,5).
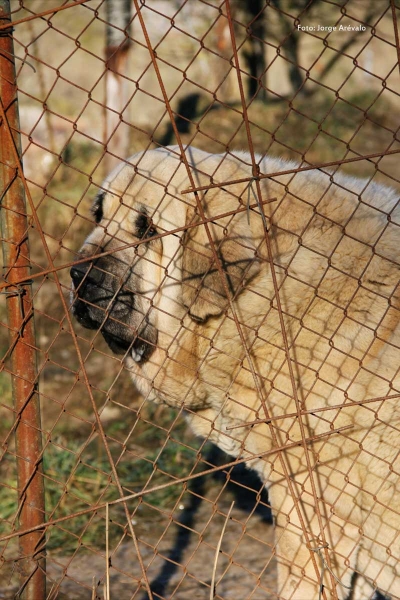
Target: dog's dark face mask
(105,296)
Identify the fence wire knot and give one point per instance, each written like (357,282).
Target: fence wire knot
(259,203)
(6,32)
(325,566)
(19,291)
(249,190)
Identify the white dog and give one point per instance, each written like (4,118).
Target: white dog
(201,325)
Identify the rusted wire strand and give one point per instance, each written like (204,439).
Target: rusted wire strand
(44,13)
(297,500)
(334,163)
(179,481)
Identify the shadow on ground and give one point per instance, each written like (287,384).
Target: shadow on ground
(248,493)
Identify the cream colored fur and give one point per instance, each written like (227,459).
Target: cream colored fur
(335,255)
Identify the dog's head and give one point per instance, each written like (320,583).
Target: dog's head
(149,261)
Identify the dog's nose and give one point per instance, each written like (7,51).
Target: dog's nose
(86,270)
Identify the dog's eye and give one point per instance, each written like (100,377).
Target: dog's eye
(97,208)
(144,227)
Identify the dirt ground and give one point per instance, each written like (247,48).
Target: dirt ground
(181,567)
(179,553)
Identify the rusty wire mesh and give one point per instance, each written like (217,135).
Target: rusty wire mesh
(135,503)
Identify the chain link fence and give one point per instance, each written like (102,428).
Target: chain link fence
(199,343)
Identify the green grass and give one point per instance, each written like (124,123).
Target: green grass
(76,480)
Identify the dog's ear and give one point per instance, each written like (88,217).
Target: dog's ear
(203,290)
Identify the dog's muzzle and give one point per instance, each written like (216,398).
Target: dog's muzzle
(96,304)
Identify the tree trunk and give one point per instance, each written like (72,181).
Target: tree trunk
(116,135)
(254,52)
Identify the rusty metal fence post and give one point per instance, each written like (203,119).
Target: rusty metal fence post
(27,426)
